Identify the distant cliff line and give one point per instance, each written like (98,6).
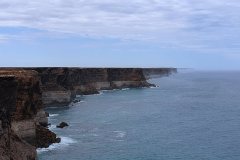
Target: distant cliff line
(60,85)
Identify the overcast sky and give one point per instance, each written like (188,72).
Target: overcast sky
(201,34)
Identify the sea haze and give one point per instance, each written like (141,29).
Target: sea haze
(190,116)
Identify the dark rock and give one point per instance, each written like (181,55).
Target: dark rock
(62,125)
(44,124)
(45,137)
(47,114)
(58,140)
(76,100)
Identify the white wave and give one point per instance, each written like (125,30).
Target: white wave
(125,89)
(53,115)
(51,127)
(154,87)
(105,90)
(120,134)
(100,93)
(65,141)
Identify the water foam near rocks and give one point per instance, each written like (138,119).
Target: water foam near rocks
(65,142)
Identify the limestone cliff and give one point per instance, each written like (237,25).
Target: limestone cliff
(21,111)
(11,146)
(61,85)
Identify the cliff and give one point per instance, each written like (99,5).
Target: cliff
(21,114)
(61,85)
(11,146)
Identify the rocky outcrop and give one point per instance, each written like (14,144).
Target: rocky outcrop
(62,125)
(45,137)
(61,85)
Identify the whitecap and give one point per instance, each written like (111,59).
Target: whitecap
(116,89)
(154,87)
(53,115)
(51,127)
(65,141)
(125,89)
(104,90)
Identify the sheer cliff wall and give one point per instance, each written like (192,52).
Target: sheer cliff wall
(61,85)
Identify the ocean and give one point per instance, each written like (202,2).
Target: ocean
(192,115)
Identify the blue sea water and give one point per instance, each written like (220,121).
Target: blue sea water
(190,116)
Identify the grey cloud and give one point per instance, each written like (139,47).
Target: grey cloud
(168,21)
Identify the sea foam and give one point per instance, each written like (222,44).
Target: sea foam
(53,115)
(65,141)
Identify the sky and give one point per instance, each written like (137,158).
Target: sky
(199,34)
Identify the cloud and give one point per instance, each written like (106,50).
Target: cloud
(179,23)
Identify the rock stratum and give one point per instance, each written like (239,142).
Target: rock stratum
(25,92)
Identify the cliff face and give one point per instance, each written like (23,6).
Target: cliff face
(28,102)
(11,146)
(14,148)
(21,112)
(61,85)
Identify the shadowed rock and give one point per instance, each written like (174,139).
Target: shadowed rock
(62,125)
(45,137)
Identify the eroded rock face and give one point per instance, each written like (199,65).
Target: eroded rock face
(21,112)
(28,93)
(12,147)
(61,85)
(27,102)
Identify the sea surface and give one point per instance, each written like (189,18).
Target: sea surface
(192,115)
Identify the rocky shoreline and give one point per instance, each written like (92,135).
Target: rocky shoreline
(25,92)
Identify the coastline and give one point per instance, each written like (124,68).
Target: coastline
(45,87)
